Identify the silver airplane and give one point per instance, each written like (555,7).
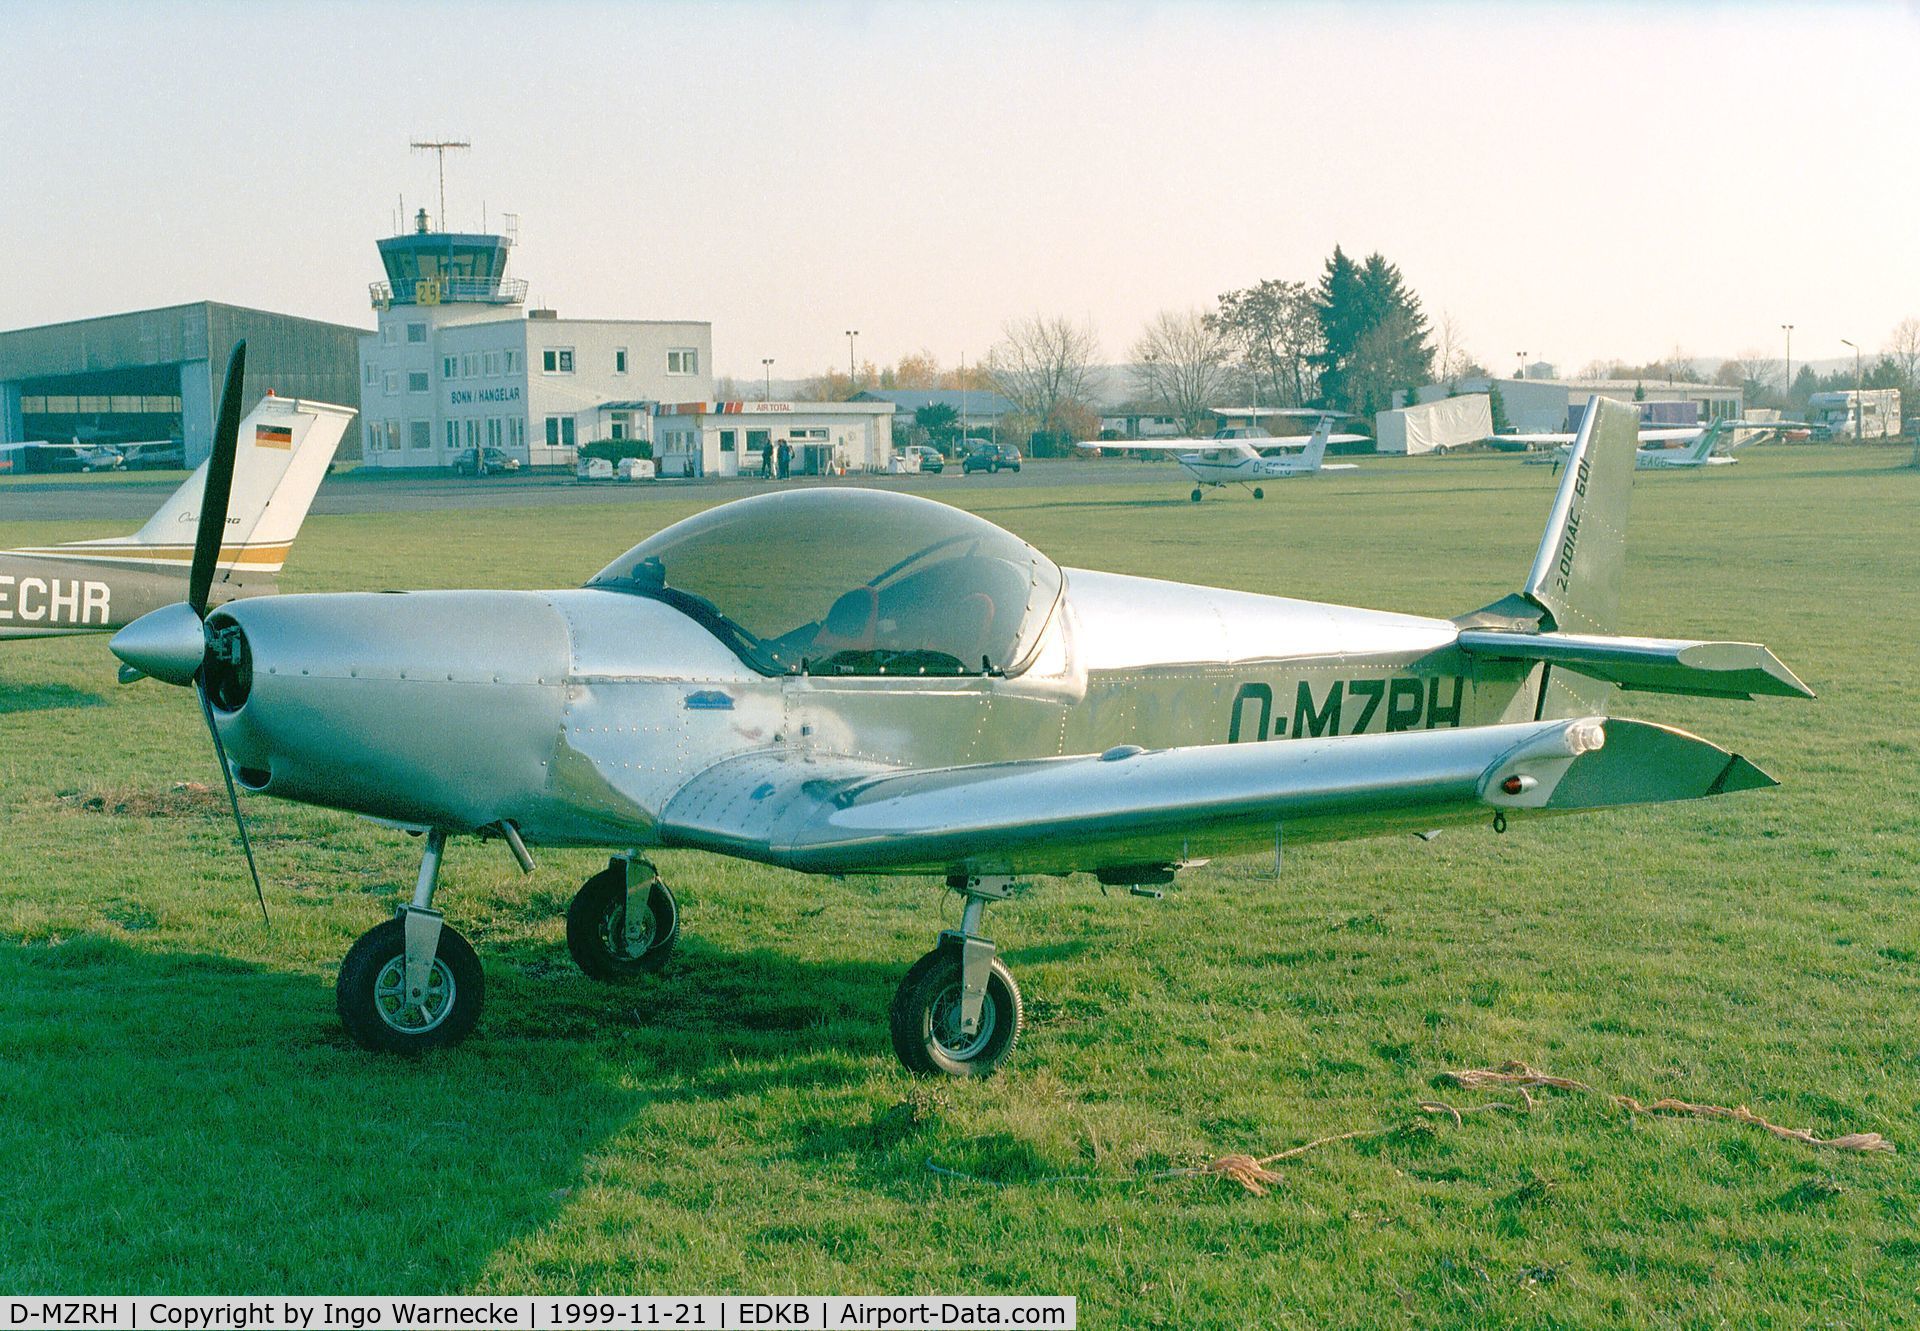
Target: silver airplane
(852,681)
(95,586)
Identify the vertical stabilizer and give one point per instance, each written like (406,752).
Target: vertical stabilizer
(1576,576)
(1316,450)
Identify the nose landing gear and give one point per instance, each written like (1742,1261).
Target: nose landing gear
(411,984)
(958,1011)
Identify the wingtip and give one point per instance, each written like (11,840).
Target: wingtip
(1739,774)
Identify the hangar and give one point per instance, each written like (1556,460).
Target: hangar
(153,374)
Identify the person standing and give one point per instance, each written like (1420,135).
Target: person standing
(786,459)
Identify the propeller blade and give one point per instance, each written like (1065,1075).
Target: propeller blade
(233,796)
(213,503)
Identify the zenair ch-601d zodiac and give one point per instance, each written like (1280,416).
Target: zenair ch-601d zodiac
(93,586)
(852,681)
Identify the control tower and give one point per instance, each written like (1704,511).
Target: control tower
(461,275)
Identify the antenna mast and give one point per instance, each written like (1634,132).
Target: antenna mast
(438,147)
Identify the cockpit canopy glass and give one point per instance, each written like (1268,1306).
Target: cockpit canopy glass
(849,582)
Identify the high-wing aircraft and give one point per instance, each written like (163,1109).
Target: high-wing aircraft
(854,681)
(1246,457)
(1691,446)
(91,586)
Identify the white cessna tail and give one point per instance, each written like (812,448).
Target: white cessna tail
(1237,458)
(1695,447)
(286,445)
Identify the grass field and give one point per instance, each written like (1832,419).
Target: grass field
(179,1110)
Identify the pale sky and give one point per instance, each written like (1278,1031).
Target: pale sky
(1572,180)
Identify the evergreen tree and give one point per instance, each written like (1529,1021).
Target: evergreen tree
(1497,408)
(1375,334)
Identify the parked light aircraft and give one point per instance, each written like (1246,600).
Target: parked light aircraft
(843,681)
(1697,450)
(93,586)
(1246,457)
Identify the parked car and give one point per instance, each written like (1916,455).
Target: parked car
(931,458)
(491,460)
(990,457)
(155,455)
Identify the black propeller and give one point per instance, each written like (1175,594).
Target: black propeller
(206,562)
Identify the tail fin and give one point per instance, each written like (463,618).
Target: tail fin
(1702,448)
(1316,450)
(1576,575)
(285,447)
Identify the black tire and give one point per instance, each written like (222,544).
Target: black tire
(1258,493)
(596,927)
(1195,496)
(373,1009)
(929,996)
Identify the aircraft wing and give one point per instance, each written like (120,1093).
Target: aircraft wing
(1132,807)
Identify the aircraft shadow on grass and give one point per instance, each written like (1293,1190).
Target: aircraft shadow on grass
(44,697)
(184,1120)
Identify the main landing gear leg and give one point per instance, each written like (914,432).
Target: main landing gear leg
(411,983)
(958,1010)
(623,922)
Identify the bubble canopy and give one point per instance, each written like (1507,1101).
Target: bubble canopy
(841,581)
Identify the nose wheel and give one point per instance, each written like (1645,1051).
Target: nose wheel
(623,922)
(958,1011)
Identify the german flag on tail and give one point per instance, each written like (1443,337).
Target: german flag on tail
(273,436)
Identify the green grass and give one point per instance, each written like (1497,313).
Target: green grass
(179,1110)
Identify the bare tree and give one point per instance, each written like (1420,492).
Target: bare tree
(1273,330)
(1180,361)
(1903,348)
(1043,365)
(1451,358)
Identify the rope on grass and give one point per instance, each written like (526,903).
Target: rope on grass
(1256,1175)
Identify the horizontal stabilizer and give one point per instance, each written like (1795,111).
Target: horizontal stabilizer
(1650,665)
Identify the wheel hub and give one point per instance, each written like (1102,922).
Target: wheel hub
(623,942)
(950,1037)
(404,1015)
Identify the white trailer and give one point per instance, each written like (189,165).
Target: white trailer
(1875,416)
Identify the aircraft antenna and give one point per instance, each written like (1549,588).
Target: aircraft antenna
(439,148)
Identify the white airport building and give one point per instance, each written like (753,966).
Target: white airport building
(458,362)
(728,438)
(1544,406)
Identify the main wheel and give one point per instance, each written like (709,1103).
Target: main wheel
(1258,493)
(371,993)
(925,1018)
(1195,496)
(597,927)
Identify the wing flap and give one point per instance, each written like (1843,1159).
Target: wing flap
(1650,665)
(1133,807)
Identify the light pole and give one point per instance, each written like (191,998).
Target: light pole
(766,363)
(1521,356)
(1786,388)
(851,385)
(1859,407)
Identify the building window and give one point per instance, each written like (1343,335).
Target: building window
(518,434)
(416,381)
(726,441)
(559,432)
(513,361)
(557,360)
(449,367)
(419,434)
(473,432)
(368,374)
(493,432)
(808,433)
(390,333)
(759,441)
(619,360)
(683,360)
(453,434)
(621,424)
(393,382)
(393,436)
(416,332)
(469,365)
